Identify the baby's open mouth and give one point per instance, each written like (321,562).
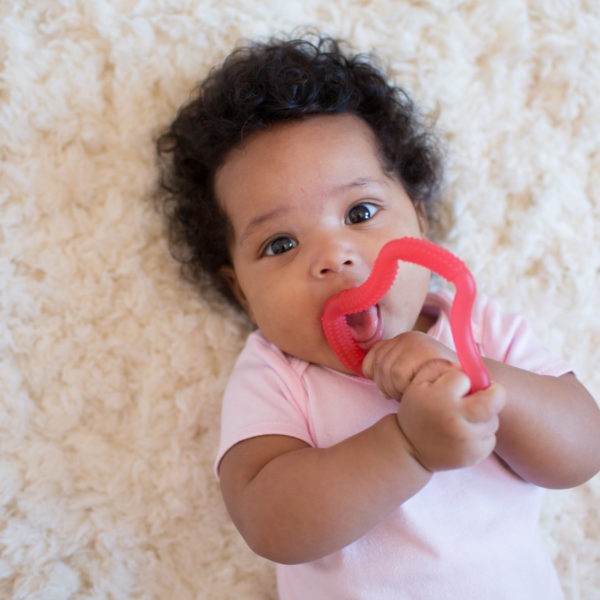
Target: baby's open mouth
(365,326)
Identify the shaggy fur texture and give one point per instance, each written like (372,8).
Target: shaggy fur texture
(112,367)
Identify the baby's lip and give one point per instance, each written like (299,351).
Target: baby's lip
(366,327)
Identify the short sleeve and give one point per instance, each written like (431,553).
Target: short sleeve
(264,396)
(509,338)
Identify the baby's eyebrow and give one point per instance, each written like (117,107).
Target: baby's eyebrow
(260,219)
(358,182)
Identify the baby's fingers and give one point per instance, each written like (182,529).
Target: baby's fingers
(445,372)
(484,405)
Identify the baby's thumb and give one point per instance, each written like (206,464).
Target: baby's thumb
(486,404)
(432,370)
(368,365)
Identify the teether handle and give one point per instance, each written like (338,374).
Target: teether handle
(432,257)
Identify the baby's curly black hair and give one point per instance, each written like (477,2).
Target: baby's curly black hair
(262,84)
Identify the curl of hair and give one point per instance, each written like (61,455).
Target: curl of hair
(257,86)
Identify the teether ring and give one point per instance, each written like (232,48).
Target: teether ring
(358,299)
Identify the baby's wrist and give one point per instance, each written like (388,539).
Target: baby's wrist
(409,447)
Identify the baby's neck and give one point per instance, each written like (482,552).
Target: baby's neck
(424,322)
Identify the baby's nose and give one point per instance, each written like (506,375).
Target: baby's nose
(334,258)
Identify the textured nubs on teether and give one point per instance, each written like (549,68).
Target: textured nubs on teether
(337,327)
(343,344)
(348,317)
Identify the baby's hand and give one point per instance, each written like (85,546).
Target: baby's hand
(444,427)
(394,363)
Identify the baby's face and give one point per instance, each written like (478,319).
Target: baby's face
(311,206)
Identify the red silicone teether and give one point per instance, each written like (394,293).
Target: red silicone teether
(426,254)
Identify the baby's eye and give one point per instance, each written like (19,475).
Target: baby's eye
(361,212)
(280,245)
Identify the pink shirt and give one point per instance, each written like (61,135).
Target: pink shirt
(469,534)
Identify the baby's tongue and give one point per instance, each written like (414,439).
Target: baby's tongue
(363,325)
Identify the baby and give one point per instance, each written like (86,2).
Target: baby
(295,162)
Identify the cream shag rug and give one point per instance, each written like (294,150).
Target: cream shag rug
(112,367)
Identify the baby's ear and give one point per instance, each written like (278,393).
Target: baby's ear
(228,273)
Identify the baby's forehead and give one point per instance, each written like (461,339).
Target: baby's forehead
(280,143)
(278,161)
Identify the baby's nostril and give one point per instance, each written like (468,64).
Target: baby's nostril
(336,268)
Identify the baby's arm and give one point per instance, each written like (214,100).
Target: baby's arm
(293,503)
(549,430)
